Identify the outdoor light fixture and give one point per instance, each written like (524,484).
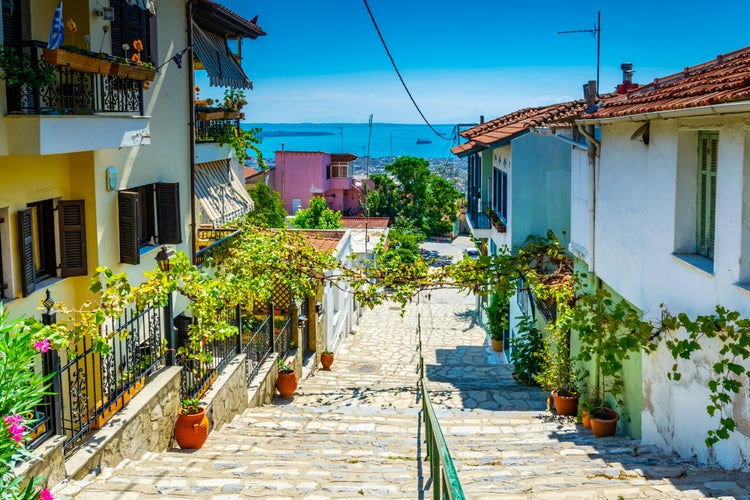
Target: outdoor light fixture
(107,13)
(301,321)
(162,258)
(319,308)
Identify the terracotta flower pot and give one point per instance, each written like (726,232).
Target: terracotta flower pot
(286,384)
(604,422)
(564,405)
(191,431)
(497,345)
(586,419)
(326,360)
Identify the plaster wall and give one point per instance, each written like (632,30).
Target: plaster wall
(540,188)
(28,179)
(645,216)
(166,159)
(300,176)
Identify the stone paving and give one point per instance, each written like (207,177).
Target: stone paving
(355,431)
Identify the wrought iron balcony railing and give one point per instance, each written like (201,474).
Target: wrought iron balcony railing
(73,91)
(213,125)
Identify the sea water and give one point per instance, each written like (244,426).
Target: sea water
(386,140)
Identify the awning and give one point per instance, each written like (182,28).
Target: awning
(221,193)
(219,62)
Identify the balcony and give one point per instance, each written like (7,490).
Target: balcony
(82,110)
(213,124)
(479,221)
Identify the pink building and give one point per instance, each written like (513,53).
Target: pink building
(300,175)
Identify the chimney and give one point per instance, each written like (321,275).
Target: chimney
(627,79)
(589,92)
(481,119)
(627,72)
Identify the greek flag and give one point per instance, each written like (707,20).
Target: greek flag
(57,32)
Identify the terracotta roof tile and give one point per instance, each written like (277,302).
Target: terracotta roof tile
(507,126)
(721,80)
(359,222)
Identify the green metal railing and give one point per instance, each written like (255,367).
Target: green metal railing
(445,483)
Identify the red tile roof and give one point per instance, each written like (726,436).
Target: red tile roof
(722,80)
(359,222)
(505,127)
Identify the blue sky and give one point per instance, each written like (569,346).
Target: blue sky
(322,61)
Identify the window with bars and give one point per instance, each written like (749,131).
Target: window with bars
(708,148)
(40,242)
(500,193)
(148,215)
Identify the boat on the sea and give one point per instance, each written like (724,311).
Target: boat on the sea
(424,141)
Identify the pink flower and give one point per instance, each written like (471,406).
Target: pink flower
(45,495)
(42,345)
(15,426)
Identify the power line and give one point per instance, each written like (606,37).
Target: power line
(385,46)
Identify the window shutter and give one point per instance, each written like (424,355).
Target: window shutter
(26,239)
(130,24)
(72,224)
(127,208)
(708,146)
(168,212)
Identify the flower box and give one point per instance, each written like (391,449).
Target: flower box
(211,115)
(75,61)
(132,72)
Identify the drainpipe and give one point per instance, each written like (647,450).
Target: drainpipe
(191,126)
(593,153)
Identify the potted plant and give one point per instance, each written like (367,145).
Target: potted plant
(19,70)
(608,332)
(326,359)
(497,320)
(286,380)
(557,372)
(526,356)
(191,428)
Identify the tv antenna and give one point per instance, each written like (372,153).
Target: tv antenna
(597,32)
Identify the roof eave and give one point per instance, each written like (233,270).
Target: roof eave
(711,109)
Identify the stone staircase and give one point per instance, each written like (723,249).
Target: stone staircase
(356,432)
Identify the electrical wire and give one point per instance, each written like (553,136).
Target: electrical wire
(385,46)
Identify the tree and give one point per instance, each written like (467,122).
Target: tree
(415,199)
(269,208)
(317,215)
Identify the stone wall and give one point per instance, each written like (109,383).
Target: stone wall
(146,423)
(227,396)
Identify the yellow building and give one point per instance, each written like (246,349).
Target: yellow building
(100,166)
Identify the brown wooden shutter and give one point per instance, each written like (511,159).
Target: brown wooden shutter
(131,23)
(26,240)
(127,207)
(72,223)
(168,212)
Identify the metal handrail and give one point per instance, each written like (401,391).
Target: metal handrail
(445,482)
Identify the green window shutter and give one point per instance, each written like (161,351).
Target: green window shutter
(26,241)
(72,226)
(127,207)
(168,212)
(708,149)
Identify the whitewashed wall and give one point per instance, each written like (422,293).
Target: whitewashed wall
(642,217)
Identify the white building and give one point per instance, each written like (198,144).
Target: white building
(664,218)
